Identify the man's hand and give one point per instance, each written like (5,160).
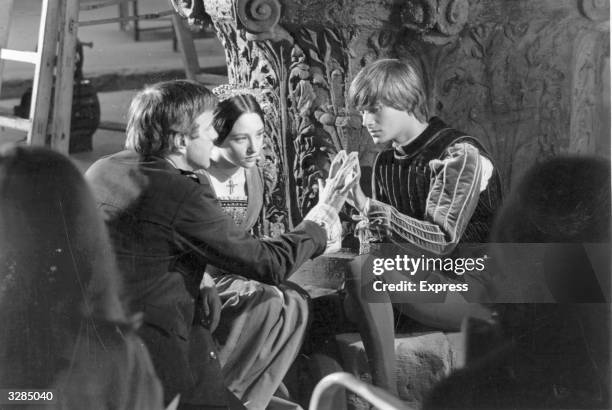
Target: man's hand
(211,302)
(344,174)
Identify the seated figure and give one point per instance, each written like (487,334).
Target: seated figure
(256,315)
(63,324)
(434,191)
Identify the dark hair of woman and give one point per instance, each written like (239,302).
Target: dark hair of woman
(57,269)
(229,110)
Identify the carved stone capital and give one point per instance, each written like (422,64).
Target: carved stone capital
(258,16)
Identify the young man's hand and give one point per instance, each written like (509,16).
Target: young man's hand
(356,198)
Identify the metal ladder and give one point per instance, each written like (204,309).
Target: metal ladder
(48,123)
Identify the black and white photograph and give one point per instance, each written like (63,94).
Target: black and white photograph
(305,204)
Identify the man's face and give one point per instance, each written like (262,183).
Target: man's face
(200,147)
(385,123)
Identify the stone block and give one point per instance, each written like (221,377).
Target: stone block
(422,360)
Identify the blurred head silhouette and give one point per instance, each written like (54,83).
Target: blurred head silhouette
(552,355)
(57,269)
(562,200)
(561,209)
(562,204)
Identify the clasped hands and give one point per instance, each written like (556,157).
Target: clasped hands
(342,185)
(344,174)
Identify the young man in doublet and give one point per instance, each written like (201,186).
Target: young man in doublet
(434,189)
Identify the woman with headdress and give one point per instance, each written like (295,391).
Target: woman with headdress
(255,317)
(63,325)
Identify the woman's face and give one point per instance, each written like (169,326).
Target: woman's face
(242,146)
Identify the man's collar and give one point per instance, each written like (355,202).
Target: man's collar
(435,124)
(169,166)
(191,175)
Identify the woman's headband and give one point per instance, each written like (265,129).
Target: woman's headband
(225,91)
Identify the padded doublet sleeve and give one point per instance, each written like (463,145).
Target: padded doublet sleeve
(456,182)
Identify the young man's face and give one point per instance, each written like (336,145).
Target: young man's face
(200,147)
(386,123)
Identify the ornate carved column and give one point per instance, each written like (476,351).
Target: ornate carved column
(303,74)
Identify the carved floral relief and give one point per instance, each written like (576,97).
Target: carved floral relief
(519,79)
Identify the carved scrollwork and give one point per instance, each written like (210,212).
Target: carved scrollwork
(452,16)
(258,16)
(596,10)
(419,15)
(435,21)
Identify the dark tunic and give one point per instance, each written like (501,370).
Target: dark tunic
(165,228)
(405,179)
